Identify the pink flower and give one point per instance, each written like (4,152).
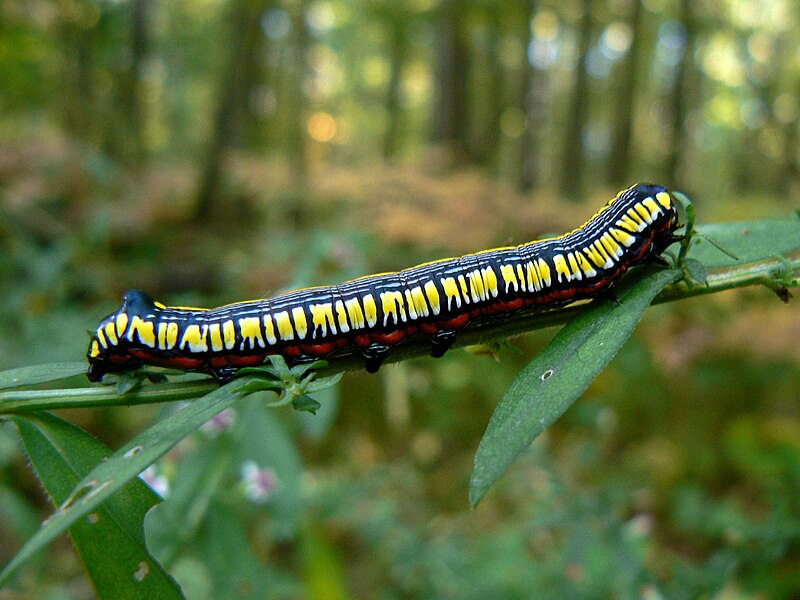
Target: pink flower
(259,482)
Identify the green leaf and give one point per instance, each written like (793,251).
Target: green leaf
(40,374)
(749,241)
(305,403)
(128,382)
(225,534)
(696,270)
(317,426)
(174,523)
(317,385)
(559,375)
(298,371)
(261,385)
(125,464)
(110,541)
(322,565)
(263,439)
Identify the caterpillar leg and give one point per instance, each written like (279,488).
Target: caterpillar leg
(442,340)
(608,294)
(658,260)
(96,371)
(374,355)
(224,374)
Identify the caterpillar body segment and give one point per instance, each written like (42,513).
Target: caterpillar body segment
(372,314)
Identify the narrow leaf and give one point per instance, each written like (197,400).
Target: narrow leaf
(225,534)
(748,241)
(110,542)
(40,374)
(125,464)
(264,440)
(175,524)
(696,271)
(317,385)
(559,375)
(305,403)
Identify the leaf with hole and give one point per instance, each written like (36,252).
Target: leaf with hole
(111,475)
(560,374)
(110,540)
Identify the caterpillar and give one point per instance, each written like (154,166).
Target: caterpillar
(372,314)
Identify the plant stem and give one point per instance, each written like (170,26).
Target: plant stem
(16,401)
(772,273)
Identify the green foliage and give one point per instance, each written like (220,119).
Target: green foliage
(349,139)
(214,504)
(200,517)
(79,491)
(558,376)
(34,375)
(107,477)
(110,541)
(722,245)
(291,384)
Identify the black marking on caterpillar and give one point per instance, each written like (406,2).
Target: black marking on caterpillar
(372,314)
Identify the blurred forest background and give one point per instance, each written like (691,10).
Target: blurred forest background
(214,150)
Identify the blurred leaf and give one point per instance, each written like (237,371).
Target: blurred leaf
(305,403)
(767,451)
(750,241)
(205,515)
(40,374)
(125,464)
(110,542)
(317,426)
(18,512)
(242,575)
(323,574)
(323,383)
(173,524)
(696,271)
(559,375)
(264,440)
(194,577)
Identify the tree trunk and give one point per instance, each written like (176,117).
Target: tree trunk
(485,139)
(680,100)
(132,88)
(298,137)
(532,106)
(232,87)
(789,181)
(254,76)
(78,99)
(398,50)
(619,163)
(574,157)
(451,114)
(788,171)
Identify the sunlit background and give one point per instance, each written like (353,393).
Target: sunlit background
(209,151)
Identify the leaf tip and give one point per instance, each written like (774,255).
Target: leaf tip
(477,489)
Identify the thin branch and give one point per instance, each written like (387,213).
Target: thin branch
(775,273)
(17,401)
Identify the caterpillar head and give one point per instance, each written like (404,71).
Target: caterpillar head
(668,216)
(109,343)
